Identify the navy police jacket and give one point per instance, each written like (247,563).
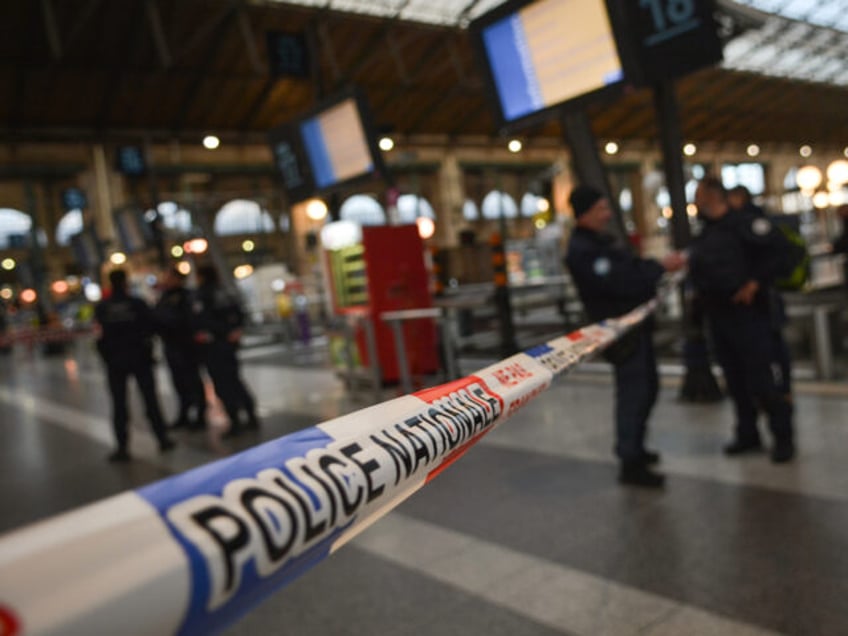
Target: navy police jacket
(216,312)
(730,251)
(611,281)
(127,329)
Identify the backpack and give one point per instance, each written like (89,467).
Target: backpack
(795,260)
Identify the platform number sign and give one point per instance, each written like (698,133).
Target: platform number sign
(671,37)
(671,18)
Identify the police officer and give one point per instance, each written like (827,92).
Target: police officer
(611,281)
(174,323)
(739,199)
(733,264)
(125,344)
(217,321)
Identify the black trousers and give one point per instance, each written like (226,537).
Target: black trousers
(752,361)
(118,372)
(222,364)
(185,375)
(636,390)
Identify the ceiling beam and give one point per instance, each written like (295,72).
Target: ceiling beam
(207,30)
(82,18)
(51,29)
(213,48)
(425,61)
(160,42)
(247,33)
(116,77)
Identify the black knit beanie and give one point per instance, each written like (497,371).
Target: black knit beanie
(582,198)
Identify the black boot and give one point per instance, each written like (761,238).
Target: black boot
(638,474)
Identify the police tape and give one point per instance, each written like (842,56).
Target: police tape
(192,553)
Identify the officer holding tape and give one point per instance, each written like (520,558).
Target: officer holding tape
(733,265)
(611,281)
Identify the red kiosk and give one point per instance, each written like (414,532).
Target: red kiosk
(386,272)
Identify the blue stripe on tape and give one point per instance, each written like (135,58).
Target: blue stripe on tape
(211,479)
(539,350)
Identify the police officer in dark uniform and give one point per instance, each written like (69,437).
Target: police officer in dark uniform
(174,322)
(217,321)
(733,264)
(126,347)
(611,281)
(739,199)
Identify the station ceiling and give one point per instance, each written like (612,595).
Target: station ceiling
(178,69)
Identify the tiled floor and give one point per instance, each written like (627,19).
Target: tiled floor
(529,533)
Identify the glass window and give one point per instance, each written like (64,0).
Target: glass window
(497,204)
(174,217)
(15,227)
(750,175)
(411,206)
(241,216)
(362,209)
(71,223)
(470,212)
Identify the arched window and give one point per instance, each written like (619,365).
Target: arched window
(15,227)
(241,216)
(411,206)
(470,212)
(790,180)
(532,204)
(71,223)
(497,204)
(174,217)
(362,209)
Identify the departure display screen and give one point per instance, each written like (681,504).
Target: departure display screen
(336,144)
(548,52)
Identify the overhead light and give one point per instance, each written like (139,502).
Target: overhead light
(386,144)
(690,149)
(28,296)
(316,209)
(184,268)
(92,292)
(177,251)
(6,293)
(514,145)
(837,171)
(808,178)
(753,150)
(426,227)
(248,246)
(821,199)
(611,148)
(59,287)
(243,271)
(667,212)
(692,210)
(542,204)
(118,258)
(210,142)
(805,150)
(196,246)
(8,264)
(540,224)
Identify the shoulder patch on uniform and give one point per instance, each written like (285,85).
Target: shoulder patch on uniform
(761,226)
(601,266)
